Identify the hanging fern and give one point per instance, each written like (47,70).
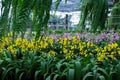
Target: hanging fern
(94,11)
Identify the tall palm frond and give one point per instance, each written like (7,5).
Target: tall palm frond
(115,16)
(5,10)
(95,12)
(18,13)
(41,14)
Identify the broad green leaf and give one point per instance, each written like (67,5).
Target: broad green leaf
(1,61)
(37,73)
(48,78)
(78,71)
(5,72)
(71,74)
(20,77)
(58,66)
(89,74)
(43,67)
(103,71)
(101,77)
(55,77)
(8,60)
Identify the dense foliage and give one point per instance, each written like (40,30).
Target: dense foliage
(95,12)
(17,15)
(40,56)
(84,56)
(115,17)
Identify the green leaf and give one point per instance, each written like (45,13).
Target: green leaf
(58,66)
(57,3)
(43,67)
(78,71)
(8,60)
(36,74)
(48,78)
(95,12)
(17,70)
(87,67)
(1,61)
(71,74)
(118,69)
(20,77)
(103,71)
(101,77)
(89,74)
(5,72)
(55,77)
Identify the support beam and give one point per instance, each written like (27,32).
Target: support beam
(66,21)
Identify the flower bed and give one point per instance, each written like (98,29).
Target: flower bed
(81,56)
